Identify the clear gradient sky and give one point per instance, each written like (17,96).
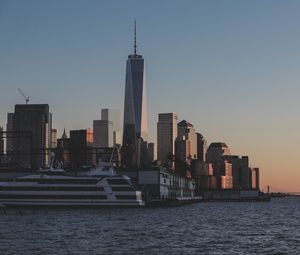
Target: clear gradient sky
(231,68)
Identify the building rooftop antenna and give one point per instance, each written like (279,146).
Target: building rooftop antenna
(134,37)
(26,98)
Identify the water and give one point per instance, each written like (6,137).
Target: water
(202,228)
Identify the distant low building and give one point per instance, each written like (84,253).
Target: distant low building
(254,177)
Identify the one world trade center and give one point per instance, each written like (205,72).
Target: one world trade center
(135,126)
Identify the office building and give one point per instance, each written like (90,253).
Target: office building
(222,169)
(9,128)
(32,123)
(103,133)
(53,138)
(166,135)
(187,130)
(151,152)
(107,130)
(63,150)
(135,126)
(201,147)
(114,116)
(81,143)
(1,145)
(240,171)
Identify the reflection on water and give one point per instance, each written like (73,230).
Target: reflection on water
(202,228)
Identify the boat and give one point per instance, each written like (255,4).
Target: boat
(101,186)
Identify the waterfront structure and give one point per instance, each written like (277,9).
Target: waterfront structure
(33,124)
(159,183)
(135,126)
(81,142)
(166,136)
(201,147)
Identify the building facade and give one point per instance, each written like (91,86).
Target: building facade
(201,147)
(240,171)
(32,123)
(187,130)
(114,116)
(81,153)
(166,135)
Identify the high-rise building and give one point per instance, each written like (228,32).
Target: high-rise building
(107,130)
(9,128)
(187,130)
(166,135)
(1,145)
(151,152)
(182,148)
(63,149)
(33,124)
(222,169)
(113,115)
(135,127)
(240,171)
(201,147)
(103,133)
(81,142)
(53,138)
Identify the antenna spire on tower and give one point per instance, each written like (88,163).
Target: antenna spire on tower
(134,37)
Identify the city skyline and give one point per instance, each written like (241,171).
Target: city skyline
(234,87)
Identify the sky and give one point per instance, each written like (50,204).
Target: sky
(231,68)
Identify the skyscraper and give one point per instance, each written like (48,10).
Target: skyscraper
(114,116)
(107,130)
(187,130)
(36,120)
(166,135)
(103,133)
(135,128)
(201,147)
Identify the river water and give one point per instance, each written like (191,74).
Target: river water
(202,228)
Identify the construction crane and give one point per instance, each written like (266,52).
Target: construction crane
(26,98)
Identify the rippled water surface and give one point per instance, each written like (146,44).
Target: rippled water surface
(202,228)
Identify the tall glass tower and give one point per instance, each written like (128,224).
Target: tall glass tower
(135,126)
